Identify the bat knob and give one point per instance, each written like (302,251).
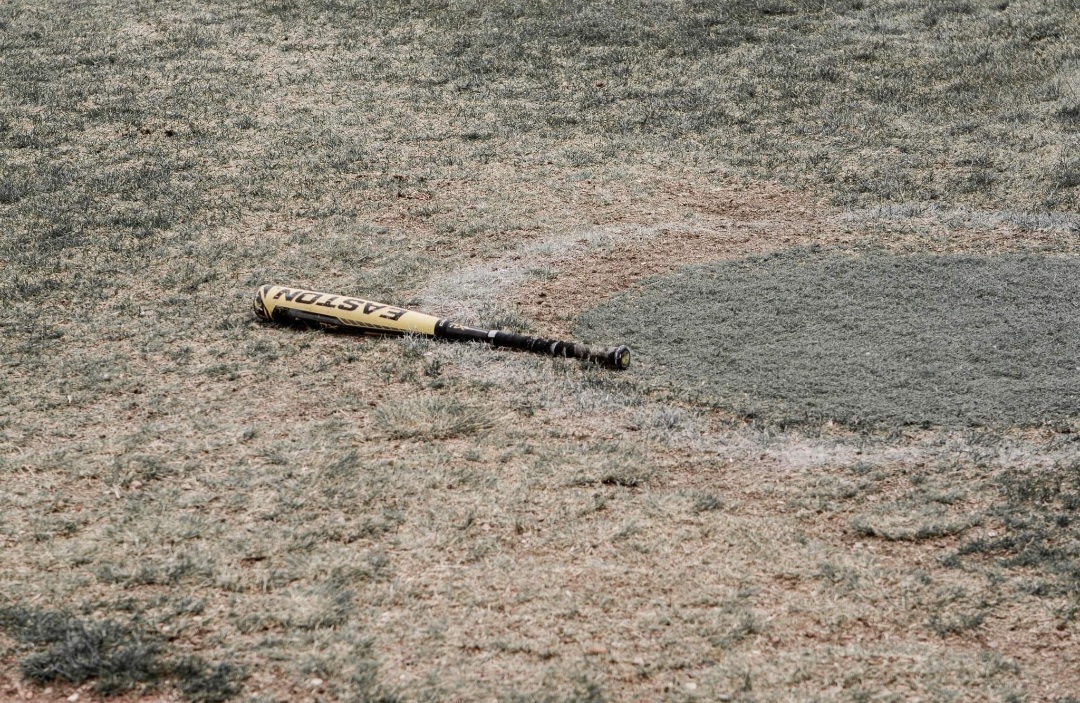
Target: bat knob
(620,357)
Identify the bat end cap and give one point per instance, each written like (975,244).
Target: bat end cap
(621,357)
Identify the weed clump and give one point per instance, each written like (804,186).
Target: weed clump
(430,418)
(202,682)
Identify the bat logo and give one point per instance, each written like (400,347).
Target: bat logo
(310,297)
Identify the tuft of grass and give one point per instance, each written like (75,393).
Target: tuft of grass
(630,477)
(1069,175)
(498,316)
(1037,514)
(705,501)
(201,682)
(415,346)
(745,624)
(114,656)
(908,523)
(430,417)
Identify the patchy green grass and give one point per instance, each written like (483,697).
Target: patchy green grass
(114,657)
(1036,512)
(811,336)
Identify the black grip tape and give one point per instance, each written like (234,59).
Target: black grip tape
(613,357)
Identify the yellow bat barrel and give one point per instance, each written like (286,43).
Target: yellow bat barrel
(281,304)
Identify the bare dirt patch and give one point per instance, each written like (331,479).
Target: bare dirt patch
(687,225)
(638,225)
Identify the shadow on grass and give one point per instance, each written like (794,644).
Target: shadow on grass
(116,657)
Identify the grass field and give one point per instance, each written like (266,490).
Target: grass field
(195,506)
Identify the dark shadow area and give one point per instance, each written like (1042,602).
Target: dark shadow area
(116,657)
(943,340)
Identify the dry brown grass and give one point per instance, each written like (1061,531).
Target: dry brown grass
(365,520)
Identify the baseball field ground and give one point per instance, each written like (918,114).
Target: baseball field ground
(841,237)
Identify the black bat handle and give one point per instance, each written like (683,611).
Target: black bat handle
(613,357)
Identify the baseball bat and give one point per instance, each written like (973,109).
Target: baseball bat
(341,313)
